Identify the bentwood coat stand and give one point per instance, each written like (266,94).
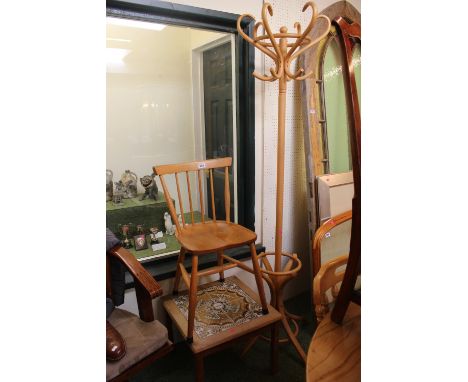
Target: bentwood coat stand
(283,48)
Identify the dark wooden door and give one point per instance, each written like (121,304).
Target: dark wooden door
(217,85)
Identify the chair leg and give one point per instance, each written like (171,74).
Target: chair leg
(274,348)
(168,324)
(220,263)
(192,298)
(180,260)
(258,278)
(199,368)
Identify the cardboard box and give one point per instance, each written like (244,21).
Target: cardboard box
(335,194)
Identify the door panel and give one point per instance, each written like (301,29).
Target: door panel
(217,88)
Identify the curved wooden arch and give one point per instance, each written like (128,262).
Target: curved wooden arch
(310,61)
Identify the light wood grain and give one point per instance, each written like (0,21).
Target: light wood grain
(320,234)
(190,196)
(335,350)
(213,209)
(192,166)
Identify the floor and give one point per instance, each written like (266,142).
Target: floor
(228,366)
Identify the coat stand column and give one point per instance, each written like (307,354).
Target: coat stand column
(283,48)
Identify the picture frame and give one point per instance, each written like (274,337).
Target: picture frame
(140,242)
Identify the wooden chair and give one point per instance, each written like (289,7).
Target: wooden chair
(146,338)
(207,236)
(319,235)
(327,278)
(335,349)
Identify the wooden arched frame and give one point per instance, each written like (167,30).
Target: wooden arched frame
(350,35)
(314,139)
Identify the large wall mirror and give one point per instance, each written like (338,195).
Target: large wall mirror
(179,89)
(335,128)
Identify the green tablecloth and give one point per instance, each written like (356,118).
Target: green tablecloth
(149,213)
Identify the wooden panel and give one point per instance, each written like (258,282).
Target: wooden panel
(335,350)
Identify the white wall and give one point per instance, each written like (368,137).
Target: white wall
(149,100)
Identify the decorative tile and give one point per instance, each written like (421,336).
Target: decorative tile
(220,307)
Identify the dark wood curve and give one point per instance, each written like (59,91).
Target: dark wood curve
(146,287)
(349,35)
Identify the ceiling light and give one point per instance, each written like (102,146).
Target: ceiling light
(119,39)
(135,23)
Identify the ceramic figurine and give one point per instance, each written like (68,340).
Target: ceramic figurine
(153,233)
(125,242)
(118,192)
(129,180)
(151,189)
(109,185)
(170,228)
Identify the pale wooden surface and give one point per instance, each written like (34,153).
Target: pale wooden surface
(335,350)
(192,166)
(200,345)
(214,236)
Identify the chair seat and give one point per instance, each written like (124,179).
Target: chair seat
(141,339)
(214,236)
(236,317)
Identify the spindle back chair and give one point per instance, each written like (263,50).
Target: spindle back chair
(207,236)
(198,168)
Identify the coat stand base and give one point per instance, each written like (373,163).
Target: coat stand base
(277,281)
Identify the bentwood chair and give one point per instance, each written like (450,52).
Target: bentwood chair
(207,236)
(321,233)
(328,278)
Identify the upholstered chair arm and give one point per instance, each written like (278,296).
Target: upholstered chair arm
(146,287)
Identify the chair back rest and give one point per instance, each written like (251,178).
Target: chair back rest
(321,233)
(198,167)
(328,277)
